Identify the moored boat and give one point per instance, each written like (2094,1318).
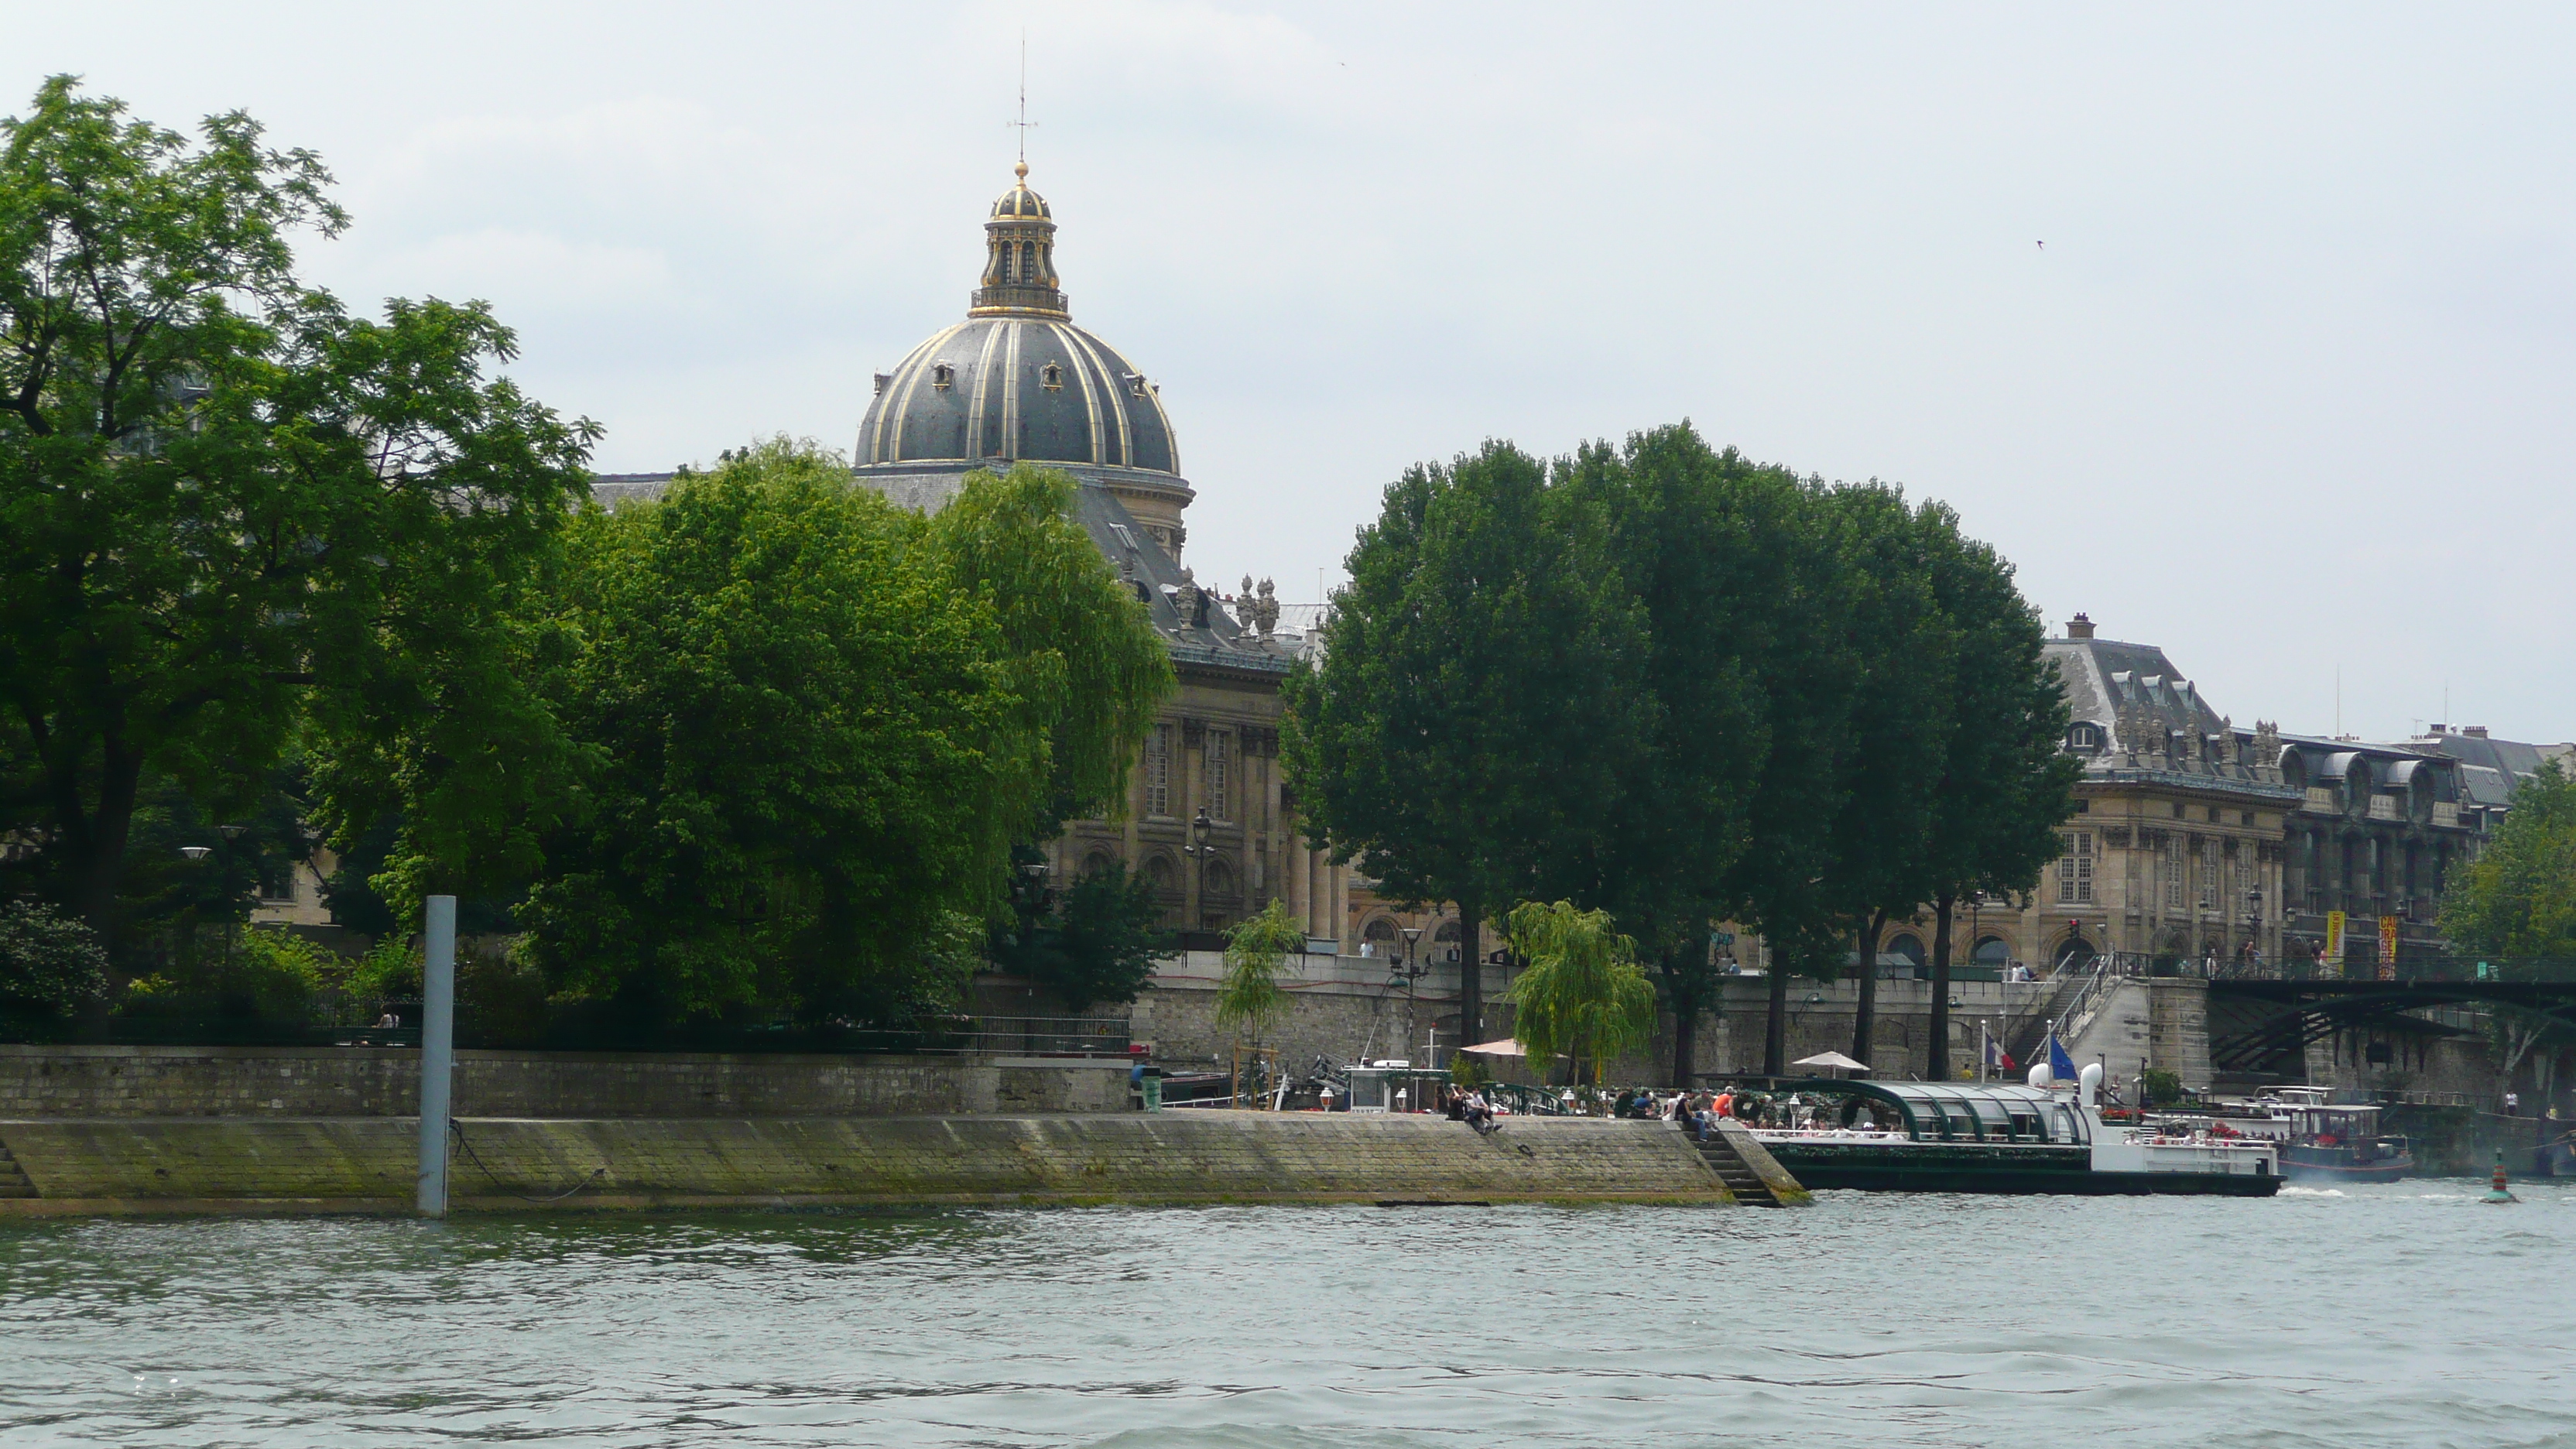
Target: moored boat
(1997,1138)
(2322,1142)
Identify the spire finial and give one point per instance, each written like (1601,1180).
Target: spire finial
(1023,123)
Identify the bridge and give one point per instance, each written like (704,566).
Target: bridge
(2280,1011)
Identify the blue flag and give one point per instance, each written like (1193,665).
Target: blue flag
(2060,1065)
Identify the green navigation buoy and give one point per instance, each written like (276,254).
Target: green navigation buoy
(2496,1191)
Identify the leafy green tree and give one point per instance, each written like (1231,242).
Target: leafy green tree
(1256,954)
(1701,556)
(1099,946)
(2007,783)
(1479,687)
(1901,649)
(232,515)
(1582,994)
(48,965)
(809,750)
(1084,661)
(2518,898)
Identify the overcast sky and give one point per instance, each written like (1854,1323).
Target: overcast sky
(2287,389)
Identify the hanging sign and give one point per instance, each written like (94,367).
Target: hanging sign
(2334,938)
(2388,948)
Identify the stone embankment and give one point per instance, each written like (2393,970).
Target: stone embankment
(366,1164)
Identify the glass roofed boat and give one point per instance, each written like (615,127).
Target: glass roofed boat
(1985,1137)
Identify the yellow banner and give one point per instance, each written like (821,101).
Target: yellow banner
(2388,948)
(2334,938)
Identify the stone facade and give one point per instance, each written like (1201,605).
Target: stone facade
(368,1164)
(252,1082)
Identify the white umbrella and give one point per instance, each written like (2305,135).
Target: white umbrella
(1831,1061)
(1504,1048)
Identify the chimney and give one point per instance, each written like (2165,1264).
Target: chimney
(2475,732)
(2079,627)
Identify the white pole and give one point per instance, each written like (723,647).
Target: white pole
(437,1050)
(1984,1053)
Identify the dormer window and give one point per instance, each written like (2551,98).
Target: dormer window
(1135,384)
(882,379)
(943,376)
(1051,377)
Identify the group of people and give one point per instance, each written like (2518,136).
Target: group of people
(1469,1105)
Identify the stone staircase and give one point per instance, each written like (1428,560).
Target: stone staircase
(1747,1168)
(13,1178)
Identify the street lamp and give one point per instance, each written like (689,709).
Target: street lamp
(196,853)
(2254,926)
(1201,827)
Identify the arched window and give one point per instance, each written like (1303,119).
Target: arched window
(1990,951)
(2074,951)
(1448,934)
(1220,878)
(1098,862)
(1158,870)
(1908,949)
(1379,938)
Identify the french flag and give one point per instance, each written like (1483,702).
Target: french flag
(1999,1059)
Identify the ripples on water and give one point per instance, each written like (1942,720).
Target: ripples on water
(2409,1315)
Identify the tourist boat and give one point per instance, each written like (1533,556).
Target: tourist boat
(1996,1137)
(2323,1142)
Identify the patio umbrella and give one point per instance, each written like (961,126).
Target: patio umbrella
(1504,1048)
(1831,1061)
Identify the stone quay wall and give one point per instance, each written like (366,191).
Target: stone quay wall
(368,1163)
(298,1082)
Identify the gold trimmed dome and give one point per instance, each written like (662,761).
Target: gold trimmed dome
(1019,261)
(1020,203)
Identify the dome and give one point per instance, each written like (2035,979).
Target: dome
(1005,388)
(1017,380)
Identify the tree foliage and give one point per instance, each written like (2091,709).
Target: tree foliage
(2518,898)
(1667,682)
(233,516)
(1098,945)
(48,964)
(1581,993)
(1256,953)
(1480,686)
(816,732)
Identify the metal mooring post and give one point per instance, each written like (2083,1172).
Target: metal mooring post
(437,1050)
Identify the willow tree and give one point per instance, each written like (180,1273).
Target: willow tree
(1085,662)
(1581,993)
(233,516)
(1249,997)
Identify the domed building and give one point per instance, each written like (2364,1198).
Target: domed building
(1016,381)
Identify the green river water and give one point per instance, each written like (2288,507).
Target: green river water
(2403,1315)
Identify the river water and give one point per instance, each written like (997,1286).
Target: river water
(2411,1314)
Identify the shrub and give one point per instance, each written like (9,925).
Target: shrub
(48,964)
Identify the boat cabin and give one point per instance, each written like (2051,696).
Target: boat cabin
(1948,1112)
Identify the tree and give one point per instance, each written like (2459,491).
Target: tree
(1256,953)
(816,743)
(1901,650)
(1085,662)
(231,514)
(1582,994)
(48,965)
(1478,687)
(1697,560)
(2006,783)
(1099,947)
(2517,900)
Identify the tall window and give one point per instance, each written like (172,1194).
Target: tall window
(1220,775)
(2175,868)
(1158,771)
(2208,875)
(2075,867)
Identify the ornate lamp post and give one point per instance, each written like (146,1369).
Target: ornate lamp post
(1201,827)
(2254,926)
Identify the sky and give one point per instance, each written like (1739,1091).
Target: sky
(2250,331)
